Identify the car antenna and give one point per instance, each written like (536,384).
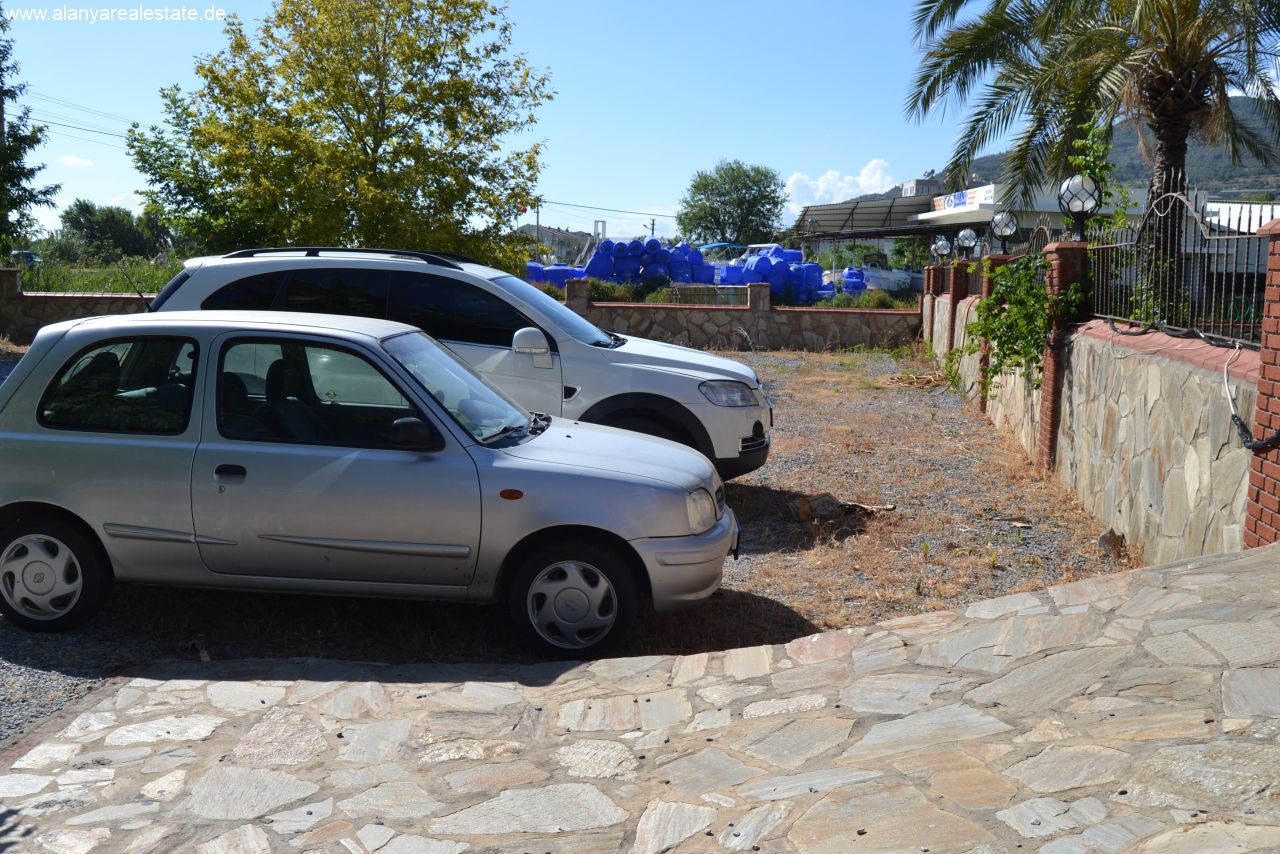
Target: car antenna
(124,272)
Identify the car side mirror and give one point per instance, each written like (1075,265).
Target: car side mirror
(414,434)
(532,342)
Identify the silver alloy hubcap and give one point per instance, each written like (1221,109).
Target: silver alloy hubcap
(572,605)
(40,577)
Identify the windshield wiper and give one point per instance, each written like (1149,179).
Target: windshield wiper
(617,340)
(506,431)
(540,421)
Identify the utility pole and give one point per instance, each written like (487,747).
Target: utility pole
(652,223)
(537,220)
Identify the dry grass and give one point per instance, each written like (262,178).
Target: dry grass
(972,518)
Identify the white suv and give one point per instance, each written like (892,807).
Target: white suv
(519,338)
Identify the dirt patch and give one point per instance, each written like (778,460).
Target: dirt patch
(971,518)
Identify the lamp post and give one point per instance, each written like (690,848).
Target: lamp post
(1004,225)
(941,247)
(1079,197)
(966,240)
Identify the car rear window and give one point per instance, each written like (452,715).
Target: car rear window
(139,385)
(255,293)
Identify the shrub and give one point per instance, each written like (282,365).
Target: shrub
(127,276)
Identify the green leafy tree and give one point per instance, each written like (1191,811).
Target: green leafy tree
(18,137)
(733,203)
(349,122)
(1052,65)
(106,234)
(909,253)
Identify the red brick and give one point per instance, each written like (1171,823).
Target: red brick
(1271,502)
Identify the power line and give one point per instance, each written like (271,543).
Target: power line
(85,129)
(76,106)
(86,139)
(38,112)
(610,210)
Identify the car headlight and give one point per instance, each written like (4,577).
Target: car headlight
(727,393)
(702,511)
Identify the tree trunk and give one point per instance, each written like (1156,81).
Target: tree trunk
(1163,291)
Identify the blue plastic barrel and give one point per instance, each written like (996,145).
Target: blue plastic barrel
(606,246)
(626,268)
(556,274)
(652,245)
(793,256)
(533,272)
(621,250)
(855,281)
(777,278)
(731,274)
(703,274)
(813,274)
(600,266)
(695,256)
(656,272)
(795,275)
(757,268)
(681,270)
(635,248)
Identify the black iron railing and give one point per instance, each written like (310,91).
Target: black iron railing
(1190,265)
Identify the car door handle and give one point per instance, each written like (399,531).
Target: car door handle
(229,470)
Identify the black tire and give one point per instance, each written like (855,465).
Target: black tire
(600,572)
(650,426)
(68,556)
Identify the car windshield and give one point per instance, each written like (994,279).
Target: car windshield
(481,409)
(578,327)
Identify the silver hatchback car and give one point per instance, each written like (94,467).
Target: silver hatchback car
(341,455)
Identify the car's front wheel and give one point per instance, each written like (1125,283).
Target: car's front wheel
(575,599)
(52,575)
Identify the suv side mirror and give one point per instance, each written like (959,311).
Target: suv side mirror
(531,342)
(414,434)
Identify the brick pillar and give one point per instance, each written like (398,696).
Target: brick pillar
(758,297)
(575,296)
(1068,262)
(985,287)
(959,273)
(1262,512)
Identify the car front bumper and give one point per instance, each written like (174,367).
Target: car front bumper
(685,570)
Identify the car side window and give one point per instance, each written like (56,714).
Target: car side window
(255,293)
(347,291)
(451,310)
(140,385)
(302,393)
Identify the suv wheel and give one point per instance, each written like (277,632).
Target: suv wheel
(51,574)
(647,425)
(575,599)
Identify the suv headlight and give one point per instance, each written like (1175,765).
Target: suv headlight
(727,393)
(702,511)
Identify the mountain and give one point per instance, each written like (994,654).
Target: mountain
(1209,167)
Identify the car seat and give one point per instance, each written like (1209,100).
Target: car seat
(286,411)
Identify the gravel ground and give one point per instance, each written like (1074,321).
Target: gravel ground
(955,483)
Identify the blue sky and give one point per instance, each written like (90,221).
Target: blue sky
(647,94)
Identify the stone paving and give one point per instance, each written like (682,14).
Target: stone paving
(1135,712)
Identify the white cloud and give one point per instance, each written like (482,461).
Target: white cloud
(132,201)
(833,186)
(72,160)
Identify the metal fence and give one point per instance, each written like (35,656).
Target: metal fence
(1190,265)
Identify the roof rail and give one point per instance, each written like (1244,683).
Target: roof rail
(440,259)
(455,256)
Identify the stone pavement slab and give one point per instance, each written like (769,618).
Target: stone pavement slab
(1131,713)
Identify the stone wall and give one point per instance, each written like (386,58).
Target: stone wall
(758,325)
(22,314)
(1147,444)
(1145,440)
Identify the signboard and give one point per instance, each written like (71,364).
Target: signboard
(965,199)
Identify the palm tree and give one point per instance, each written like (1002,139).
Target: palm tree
(1054,65)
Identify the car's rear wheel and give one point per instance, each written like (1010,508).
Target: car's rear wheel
(576,599)
(52,575)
